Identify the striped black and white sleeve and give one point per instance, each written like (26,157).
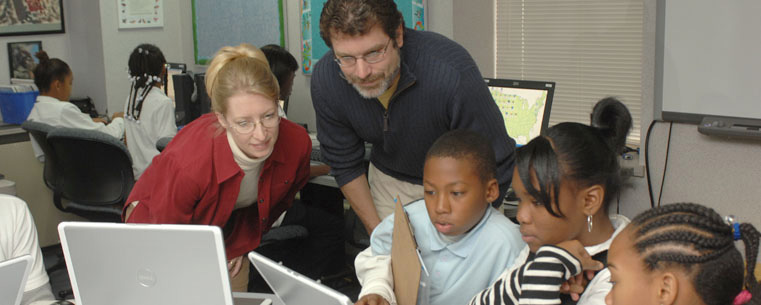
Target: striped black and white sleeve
(535,282)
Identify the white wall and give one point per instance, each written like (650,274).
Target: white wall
(86,48)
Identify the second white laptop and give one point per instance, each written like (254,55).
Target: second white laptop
(293,288)
(13,273)
(114,263)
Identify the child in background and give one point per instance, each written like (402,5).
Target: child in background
(18,236)
(683,253)
(54,79)
(283,66)
(464,242)
(149,112)
(565,180)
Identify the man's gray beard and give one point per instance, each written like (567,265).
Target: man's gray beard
(385,84)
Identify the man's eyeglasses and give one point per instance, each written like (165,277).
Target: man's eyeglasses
(370,58)
(246,127)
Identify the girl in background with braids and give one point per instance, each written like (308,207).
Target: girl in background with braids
(149,113)
(54,79)
(683,253)
(565,180)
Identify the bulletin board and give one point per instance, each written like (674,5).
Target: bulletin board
(312,45)
(231,22)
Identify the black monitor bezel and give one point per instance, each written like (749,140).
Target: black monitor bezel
(529,84)
(172,66)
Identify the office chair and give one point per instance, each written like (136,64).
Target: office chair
(39,131)
(162,143)
(94,173)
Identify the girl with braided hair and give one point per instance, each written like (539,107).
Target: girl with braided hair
(683,253)
(149,113)
(565,181)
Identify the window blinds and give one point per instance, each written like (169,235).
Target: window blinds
(590,48)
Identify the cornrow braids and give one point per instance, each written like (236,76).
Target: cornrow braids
(146,66)
(697,240)
(750,237)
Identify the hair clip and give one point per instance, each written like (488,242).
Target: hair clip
(139,50)
(730,220)
(742,297)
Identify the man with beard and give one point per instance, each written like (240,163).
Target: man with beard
(399,90)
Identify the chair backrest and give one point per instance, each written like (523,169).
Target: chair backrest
(95,169)
(39,131)
(162,143)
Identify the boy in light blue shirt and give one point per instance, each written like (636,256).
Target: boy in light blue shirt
(464,242)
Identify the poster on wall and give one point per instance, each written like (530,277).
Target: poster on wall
(140,13)
(231,22)
(31,17)
(312,45)
(22,59)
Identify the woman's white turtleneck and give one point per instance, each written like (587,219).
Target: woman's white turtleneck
(249,186)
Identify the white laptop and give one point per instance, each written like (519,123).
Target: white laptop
(13,273)
(115,263)
(293,288)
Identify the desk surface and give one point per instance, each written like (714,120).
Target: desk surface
(326,180)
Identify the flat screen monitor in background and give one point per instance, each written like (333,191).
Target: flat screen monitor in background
(524,105)
(172,69)
(184,108)
(202,98)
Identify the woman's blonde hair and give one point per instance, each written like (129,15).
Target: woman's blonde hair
(240,69)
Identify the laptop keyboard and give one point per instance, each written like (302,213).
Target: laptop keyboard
(316,155)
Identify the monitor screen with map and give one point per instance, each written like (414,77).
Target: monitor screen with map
(524,105)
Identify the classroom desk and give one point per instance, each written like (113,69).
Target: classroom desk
(326,180)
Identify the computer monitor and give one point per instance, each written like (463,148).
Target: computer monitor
(184,108)
(202,98)
(172,69)
(524,105)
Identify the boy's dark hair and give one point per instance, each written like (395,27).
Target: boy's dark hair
(697,240)
(465,144)
(49,70)
(357,17)
(146,63)
(578,153)
(282,63)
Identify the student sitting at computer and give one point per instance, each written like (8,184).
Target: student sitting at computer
(149,113)
(565,181)
(54,79)
(284,66)
(462,239)
(680,254)
(238,167)
(18,237)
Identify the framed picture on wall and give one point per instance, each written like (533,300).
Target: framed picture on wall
(22,59)
(31,17)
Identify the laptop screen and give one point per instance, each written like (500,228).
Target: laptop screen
(524,105)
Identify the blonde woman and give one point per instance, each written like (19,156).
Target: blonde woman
(238,167)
